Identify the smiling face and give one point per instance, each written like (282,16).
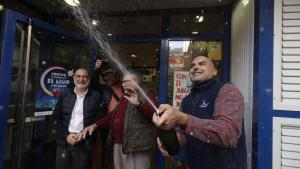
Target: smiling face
(110,79)
(81,79)
(129,82)
(202,68)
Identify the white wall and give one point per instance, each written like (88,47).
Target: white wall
(241,73)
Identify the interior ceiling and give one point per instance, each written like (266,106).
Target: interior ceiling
(53,10)
(54,7)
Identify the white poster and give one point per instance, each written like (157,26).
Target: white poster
(182,86)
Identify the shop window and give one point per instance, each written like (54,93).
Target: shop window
(181,54)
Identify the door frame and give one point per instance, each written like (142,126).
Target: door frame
(9,34)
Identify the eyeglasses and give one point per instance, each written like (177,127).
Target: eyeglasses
(124,81)
(81,76)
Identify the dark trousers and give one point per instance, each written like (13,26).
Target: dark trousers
(78,156)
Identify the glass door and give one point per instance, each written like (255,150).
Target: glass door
(29,135)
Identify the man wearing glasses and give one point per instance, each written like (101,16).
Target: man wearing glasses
(75,110)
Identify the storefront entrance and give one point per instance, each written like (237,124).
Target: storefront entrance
(30,49)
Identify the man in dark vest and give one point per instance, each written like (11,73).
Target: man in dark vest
(210,121)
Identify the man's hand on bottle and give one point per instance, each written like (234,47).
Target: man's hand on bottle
(162,148)
(169,118)
(98,64)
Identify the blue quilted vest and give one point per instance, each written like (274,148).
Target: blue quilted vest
(201,155)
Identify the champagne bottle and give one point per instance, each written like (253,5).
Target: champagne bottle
(168,138)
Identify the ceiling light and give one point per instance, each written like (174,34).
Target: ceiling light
(144,65)
(1,7)
(245,2)
(194,33)
(109,34)
(134,56)
(72,2)
(199,19)
(95,22)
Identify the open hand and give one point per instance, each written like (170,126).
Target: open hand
(98,64)
(132,96)
(88,130)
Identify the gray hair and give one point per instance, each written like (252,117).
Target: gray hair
(137,76)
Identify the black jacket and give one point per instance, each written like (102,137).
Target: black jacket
(93,109)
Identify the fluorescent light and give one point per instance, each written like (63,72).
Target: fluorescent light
(194,33)
(72,2)
(134,56)
(109,34)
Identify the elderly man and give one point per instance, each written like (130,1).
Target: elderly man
(210,121)
(75,110)
(131,126)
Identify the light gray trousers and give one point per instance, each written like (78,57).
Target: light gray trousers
(136,160)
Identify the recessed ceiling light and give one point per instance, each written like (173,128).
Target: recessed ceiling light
(95,22)
(134,56)
(245,2)
(195,33)
(109,34)
(72,2)
(199,19)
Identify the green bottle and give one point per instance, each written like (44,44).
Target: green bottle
(169,140)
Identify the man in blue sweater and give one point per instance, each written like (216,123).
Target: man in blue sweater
(210,121)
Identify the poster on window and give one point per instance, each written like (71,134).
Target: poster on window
(182,85)
(52,81)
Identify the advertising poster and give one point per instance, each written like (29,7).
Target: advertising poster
(52,81)
(176,61)
(215,50)
(182,86)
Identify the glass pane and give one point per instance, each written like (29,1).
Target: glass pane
(16,98)
(180,56)
(138,55)
(203,22)
(72,54)
(38,141)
